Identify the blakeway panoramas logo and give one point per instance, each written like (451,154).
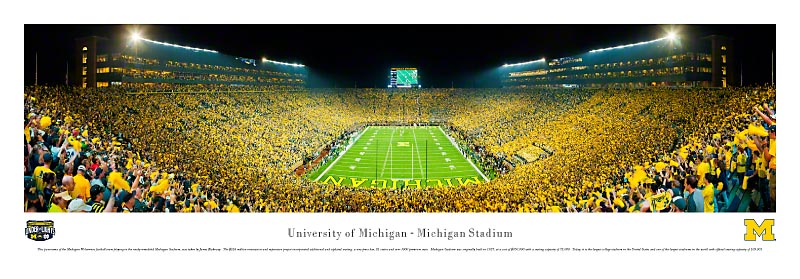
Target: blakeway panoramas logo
(755,230)
(40,230)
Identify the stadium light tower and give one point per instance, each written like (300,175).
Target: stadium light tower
(135,36)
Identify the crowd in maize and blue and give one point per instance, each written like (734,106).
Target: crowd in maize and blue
(610,150)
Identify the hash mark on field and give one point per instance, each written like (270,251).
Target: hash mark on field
(444,153)
(361,153)
(352,167)
(370,139)
(358,159)
(365,147)
(452,167)
(447,159)
(440,148)
(437,143)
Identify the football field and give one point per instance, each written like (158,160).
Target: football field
(400,157)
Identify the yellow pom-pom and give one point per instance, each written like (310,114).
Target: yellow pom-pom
(162,186)
(45,122)
(117,182)
(757,130)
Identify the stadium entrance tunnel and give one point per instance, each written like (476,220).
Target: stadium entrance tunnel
(402,156)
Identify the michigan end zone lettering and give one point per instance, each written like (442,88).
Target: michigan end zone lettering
(754,230)
(402,183)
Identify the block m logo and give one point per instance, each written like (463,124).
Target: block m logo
(754,230)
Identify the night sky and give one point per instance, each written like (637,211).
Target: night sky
(346,55)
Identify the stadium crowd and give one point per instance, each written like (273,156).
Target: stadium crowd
(621,149)
(218,150)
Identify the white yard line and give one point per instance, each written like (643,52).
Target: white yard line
(383,170)
(468,160)
(419,155)
(391,156)
(342,155)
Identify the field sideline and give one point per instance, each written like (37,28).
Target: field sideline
(400,157)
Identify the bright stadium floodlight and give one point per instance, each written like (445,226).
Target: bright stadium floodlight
(265,60)
(671,36)
(524,63)
(135,36)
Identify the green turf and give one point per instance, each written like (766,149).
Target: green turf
(400,157)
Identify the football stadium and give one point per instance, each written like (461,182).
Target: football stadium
(660,126)
(397,156)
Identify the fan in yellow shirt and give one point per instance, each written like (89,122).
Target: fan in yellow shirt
(741,165)
(708,195)
(761,166)
(702,169)
(82,186)
(60,202)
(39,172)
(232,208)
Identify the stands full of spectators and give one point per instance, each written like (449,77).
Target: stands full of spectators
(227,149)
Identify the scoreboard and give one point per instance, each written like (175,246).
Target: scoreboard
(403,78)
